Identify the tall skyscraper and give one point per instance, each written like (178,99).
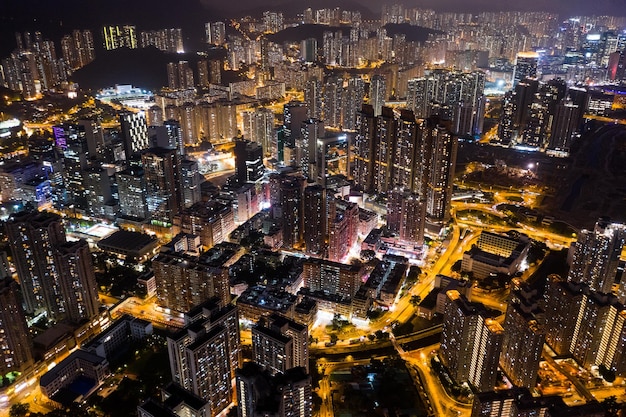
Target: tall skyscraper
(185,279)
(308,51)
(378,93)
(17,350)
(248,161)
(215,33)
(78,280)
(470,342)
(440,148)
(354,95)
(191,181)
(332,277)
(315,220)
(167,40)
(524,336)
(406,215)
(525,66)
(134,128)
(78,49)
(180,76)
(294,113)
(343,219)
(393,150)
(205,354)
(595,255)
(279,344)
(364,148)
(259,128)
(163,181)
(131,190)
(120,37)
(291,206)
(586,324)
(283,395)
(32,238)
(313,98)
(565,126)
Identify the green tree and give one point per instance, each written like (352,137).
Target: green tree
(611,406)
(415,300)
(19,410)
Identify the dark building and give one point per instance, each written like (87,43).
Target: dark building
(17,348)
(248,161)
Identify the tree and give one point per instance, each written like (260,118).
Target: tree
(611,406)
(19,410)
(415,300)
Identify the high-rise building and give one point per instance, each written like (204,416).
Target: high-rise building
(393,150)
(294,113)
(120,37)
(454,95)
(333,101)
(524,337)
(525,66)
(308,50)
(279,344)
(212,221)
(205,354)
(315,220)
(248,161)
(185,278)
(134,130)
(32,238)
(190,181)
(332,277)
(78,280)
(78,49)
(180,75)
(80,144)
(406,215)
(311,132)
(470,342)
(163,183)
(343,220)
(273,21)
(378,93)
(364,148)
(17,350)
(565,126)
(291,208)
(131,189)
(215,33)
(282,395)
(313,98)
(167,40)
(259,127)
(354,95)
(595,255)
(586,324)
(440,148)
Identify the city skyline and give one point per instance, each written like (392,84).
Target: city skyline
(312,209)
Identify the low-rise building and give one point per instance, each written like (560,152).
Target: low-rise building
(259,301)
(134,245)
(495,254)
(78,375)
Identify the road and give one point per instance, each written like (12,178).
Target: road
(442,404)
(580,388)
